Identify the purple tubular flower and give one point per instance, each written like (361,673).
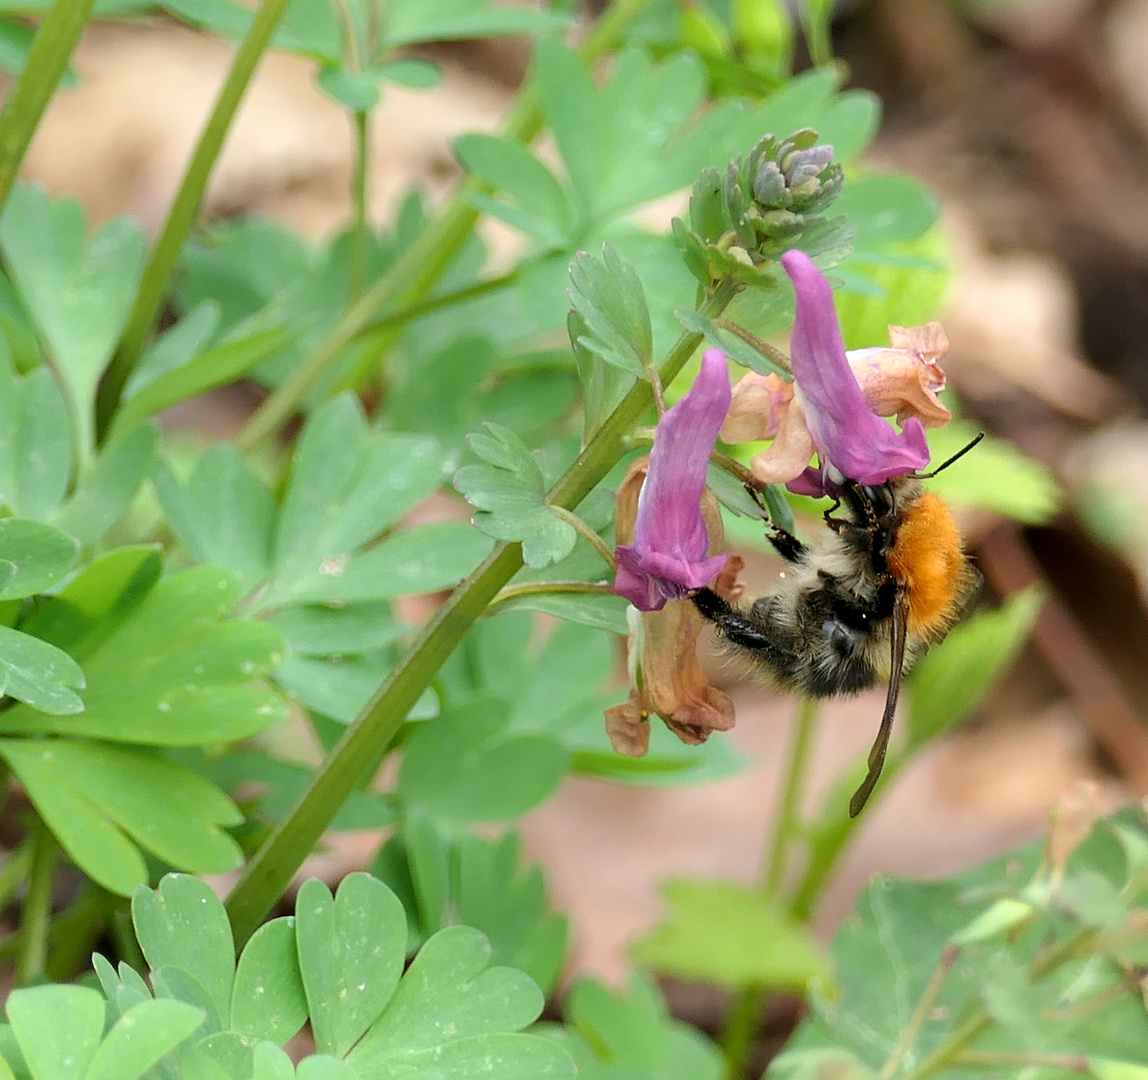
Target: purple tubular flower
(668,556)
(852,442)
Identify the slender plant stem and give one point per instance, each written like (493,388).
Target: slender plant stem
(360,197)
(51,48)
(33,951)
(991,1058)
(739,1029)
(398,319)
(183,212)
(921,1013)
(15,870)
(744,1017)
(549,588)
(787,819)
(74,932)
(770,352)
(587,534)
(271,868)
(419,267)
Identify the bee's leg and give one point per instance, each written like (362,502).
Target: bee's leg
(743,632)
(788,546)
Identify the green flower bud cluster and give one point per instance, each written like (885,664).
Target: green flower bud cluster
(768,201)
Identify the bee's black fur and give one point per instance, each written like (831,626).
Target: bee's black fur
(825,631)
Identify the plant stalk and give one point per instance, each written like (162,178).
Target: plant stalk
(37,913)
(744,1017)
(183,212)
(51,48)
(415,272)
(272,867)
(360,196)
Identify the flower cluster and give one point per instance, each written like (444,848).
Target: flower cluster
(670,537)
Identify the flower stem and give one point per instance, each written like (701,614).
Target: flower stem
(787,820)
(1067,1062)
(360,195)
(549,588)
(770,352)
(587,534)
(183,211)
(271,868)
(399,319)
(51,48)
(743,1019)
(921,1012)
(420,266)
(33,950)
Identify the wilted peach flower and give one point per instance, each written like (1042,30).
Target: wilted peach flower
(902,380)
(666,678)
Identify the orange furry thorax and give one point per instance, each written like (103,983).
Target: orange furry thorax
(928,563)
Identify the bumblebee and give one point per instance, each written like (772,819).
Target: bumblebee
(890,579)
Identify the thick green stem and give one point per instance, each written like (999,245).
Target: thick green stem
(37,913)
(51,48)
(183,212)
(271,868)
(420,266)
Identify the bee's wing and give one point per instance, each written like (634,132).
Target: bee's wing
(881,743)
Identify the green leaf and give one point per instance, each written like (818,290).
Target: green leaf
(39,674)
(106,491)
(340,687)
(508,904)
(952,679)
(412,72)
(346,488)
(723,933)
(886,210)
(410,21)
(271,1063)
(342,631)
(739,351)
(542,207)
(891,950)
(268,1000)
(218,366)
(174,673)
(223,515)
(78,291)
(357,90)
(141,1037)
(454,1014)
(40,554)
(101,801)
(509,493)
(603,384)
(633,1037)
(351,950)
(464,765)
(608,295)
(58,1029)
(598,611)
(35,442)
(182,926)
(420,560)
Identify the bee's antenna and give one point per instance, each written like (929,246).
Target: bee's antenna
(945,464)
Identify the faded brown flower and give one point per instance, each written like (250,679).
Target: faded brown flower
(901,380)
(666,677)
